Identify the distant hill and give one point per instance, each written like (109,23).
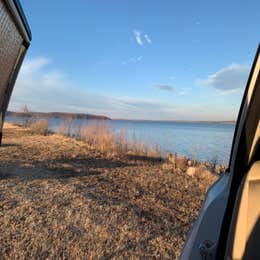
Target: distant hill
(57,115)
(179,121)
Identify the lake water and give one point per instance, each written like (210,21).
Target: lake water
(207,141)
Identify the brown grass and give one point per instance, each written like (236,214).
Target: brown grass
(40,127)
(62,199)
(101,136)
(65,127)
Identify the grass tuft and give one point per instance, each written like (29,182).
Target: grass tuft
(40,127)
(100,135)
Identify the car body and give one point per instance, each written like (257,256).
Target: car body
(228,225)
(15,38)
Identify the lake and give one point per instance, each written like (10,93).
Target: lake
(204,141)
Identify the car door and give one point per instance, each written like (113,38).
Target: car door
(15,38)
(228,224)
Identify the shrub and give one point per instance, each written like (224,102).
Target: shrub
(121,142)
(65,128)
(100,135)
(214,163)
(201,169)
(181,162)
(26,120)
(40,127)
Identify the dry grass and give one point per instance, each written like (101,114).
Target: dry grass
(61,199)
(101,136)
(40,127)
(65,127)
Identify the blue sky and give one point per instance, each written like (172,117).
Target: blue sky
(162,60)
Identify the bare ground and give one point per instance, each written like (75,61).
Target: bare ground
(59,199)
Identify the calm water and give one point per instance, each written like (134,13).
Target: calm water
(207,141)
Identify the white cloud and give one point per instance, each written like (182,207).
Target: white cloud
(139,58)
(183,92)
(164,87)
(229,78)
(228,92)
(147,38)
(43,88)
(138,37)
(34,65)
(142,38)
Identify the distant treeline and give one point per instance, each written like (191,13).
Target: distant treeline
(57,115)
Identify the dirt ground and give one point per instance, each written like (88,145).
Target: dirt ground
(61,200)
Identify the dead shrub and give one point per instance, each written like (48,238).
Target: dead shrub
(194,155)
(100,135)
(207,175)
(200,169)
(122,145)
(143,148)
(157,150)
(202,172)
(170,158)
(62,129)
(65,127)
(152,152)
(40,127)
(26,118)
(214,162)
(77,132)
(181,162)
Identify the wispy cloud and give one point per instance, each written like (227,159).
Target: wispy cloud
(164,87)
(133,60)
(184,91)
(141,38)
(42,87)
(228,92)
(138,37)
(147,38)
(34,65)
(232,77)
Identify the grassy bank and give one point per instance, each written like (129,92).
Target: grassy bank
(101,136)
(64,198)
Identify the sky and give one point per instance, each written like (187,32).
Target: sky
(154,60)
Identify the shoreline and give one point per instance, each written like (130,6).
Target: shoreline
(233,122)
(66,115)
(131,131)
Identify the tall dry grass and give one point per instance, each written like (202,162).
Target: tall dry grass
(100,135)
(26,119)
(65,127)
(40,127)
